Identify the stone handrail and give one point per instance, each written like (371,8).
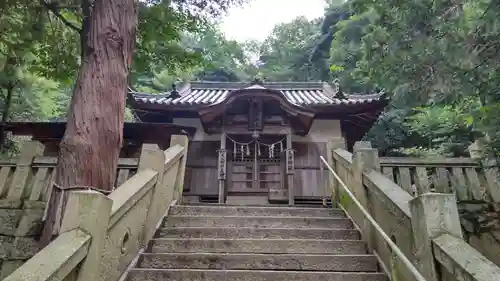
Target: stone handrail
(28,178)
(430,162)
(344,157)
(58,260)
(415,223)
(25,185)
(44,161)
(468,178)
(460,259)
(115,227)
(373,223)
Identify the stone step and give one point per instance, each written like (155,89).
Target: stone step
(224,261)
(263,246)
(139,274)
(258,233)
(258,222)
(213,211)
(227,204)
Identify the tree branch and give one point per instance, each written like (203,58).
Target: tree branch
(54,8)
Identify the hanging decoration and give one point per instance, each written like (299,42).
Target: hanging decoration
(244,147)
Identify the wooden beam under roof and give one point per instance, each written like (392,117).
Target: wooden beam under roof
(141,132)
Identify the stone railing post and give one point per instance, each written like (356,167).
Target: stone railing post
(89,211)
(29,151)
(432,214)
(331,182)
(364,159)
(183,141)
(476,152)
(152,157)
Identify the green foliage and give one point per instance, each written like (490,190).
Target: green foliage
(284,55)
(40,50)
(388,133)
(218,59)
(346,52)
(437,59)
(223,60)
(445,128)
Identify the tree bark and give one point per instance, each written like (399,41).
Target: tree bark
(90,148)
(6,114)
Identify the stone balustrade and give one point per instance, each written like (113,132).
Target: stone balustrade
(426,226)
(101,235)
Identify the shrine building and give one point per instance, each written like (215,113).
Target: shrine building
(259,140)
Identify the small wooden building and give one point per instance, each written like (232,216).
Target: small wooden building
(260,140)
(134,135)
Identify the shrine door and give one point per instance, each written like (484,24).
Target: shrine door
(255,165)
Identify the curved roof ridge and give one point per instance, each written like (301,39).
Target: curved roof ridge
(268,85)
(213,93)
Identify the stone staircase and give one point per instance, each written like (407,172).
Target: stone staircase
(222,243)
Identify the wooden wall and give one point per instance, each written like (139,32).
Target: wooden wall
(308,178)
(201,172)
(201,168)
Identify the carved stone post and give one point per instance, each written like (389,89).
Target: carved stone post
(364,160)
(432,214)
(152,157)
(183,141)
(290,169)
(89,211)
(29,151)
(330,181)
(221,168)
(476,151)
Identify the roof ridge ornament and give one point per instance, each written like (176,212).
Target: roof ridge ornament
(257,81)
(174,94)
(338,90)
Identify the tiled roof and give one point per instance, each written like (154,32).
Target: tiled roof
(210,93)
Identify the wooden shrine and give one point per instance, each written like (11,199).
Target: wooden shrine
(134,134)
(260,140)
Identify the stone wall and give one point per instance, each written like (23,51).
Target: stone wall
(481,226)
(20,225)
(20,211)
(24,188)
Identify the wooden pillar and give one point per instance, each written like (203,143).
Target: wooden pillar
(221,168)
(290,169)
(256,170)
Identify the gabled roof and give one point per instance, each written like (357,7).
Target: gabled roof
(304,94)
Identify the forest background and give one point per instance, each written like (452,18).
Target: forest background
(438,60)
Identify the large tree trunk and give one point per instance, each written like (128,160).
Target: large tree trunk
(6,114)
(90,148)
